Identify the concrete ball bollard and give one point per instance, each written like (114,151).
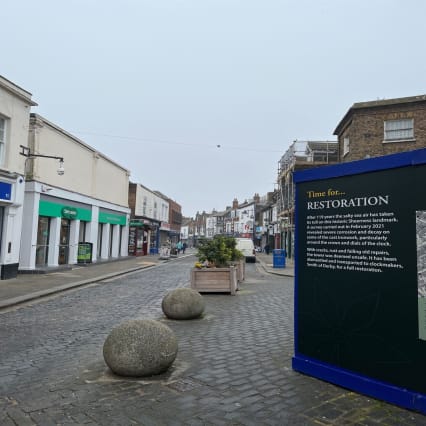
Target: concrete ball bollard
(182,304)
(139,348)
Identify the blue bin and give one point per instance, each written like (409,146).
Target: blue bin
(278,258)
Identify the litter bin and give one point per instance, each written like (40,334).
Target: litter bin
(278,258)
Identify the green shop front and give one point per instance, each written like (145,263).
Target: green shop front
(110,234)
(69,232)
(57,223)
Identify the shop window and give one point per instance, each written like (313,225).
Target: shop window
(120,236)
(100,232)
(64,241)
(42,248)
(111,228)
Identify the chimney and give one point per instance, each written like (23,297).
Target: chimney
(235,204)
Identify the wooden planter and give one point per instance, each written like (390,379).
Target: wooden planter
(241,270)
(215,280)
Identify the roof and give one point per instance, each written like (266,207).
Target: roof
(376,104)
(17,91)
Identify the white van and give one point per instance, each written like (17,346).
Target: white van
(246,246)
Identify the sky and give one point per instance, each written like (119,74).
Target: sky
(199,99)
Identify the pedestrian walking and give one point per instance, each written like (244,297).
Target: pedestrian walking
(179,246)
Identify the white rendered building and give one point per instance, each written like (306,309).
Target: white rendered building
(88,203)
(15,105)
(151,211)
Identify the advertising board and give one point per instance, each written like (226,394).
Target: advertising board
(360,309)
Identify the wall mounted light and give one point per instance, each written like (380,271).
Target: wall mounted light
(26,152)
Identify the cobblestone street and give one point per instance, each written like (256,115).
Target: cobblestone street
(233,366)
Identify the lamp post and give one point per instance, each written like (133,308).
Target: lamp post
(26,152)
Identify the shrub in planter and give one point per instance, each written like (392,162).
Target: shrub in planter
(219,255)
(218,252)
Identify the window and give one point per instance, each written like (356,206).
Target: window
(345,146)
(145,200)
(2,138)
(42,248)
(397,130)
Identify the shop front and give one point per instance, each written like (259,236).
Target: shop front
(138,238)
(59,232)
(11,200)
(62,231)
(143,237)
(110,233)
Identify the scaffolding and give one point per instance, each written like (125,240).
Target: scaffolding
(300,155)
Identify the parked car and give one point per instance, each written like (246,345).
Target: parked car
(246,246)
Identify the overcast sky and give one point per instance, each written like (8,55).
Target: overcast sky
(200,98)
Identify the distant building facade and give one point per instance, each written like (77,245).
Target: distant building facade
(300,155)
(149,212)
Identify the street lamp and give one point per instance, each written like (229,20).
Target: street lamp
(26,152)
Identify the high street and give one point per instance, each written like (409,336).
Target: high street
(233,366)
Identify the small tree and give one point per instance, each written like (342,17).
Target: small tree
(231,243)
(218,251)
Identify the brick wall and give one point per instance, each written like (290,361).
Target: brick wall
(175,215)
(366,131)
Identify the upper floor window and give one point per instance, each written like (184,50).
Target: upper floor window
(2,138)
(397,130)
(345,146)
(145,200)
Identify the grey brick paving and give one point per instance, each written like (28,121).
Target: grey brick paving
(233,366)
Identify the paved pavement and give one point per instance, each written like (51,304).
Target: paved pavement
(233,366)
(28,287)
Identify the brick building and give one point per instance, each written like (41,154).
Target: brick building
(372,129)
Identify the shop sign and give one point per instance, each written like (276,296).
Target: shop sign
(47,208)
(69,212)
(114,219)
(137,223)
(5,191)
(84,253)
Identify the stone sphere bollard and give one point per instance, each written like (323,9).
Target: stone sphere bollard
(140,348)
(183,303)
